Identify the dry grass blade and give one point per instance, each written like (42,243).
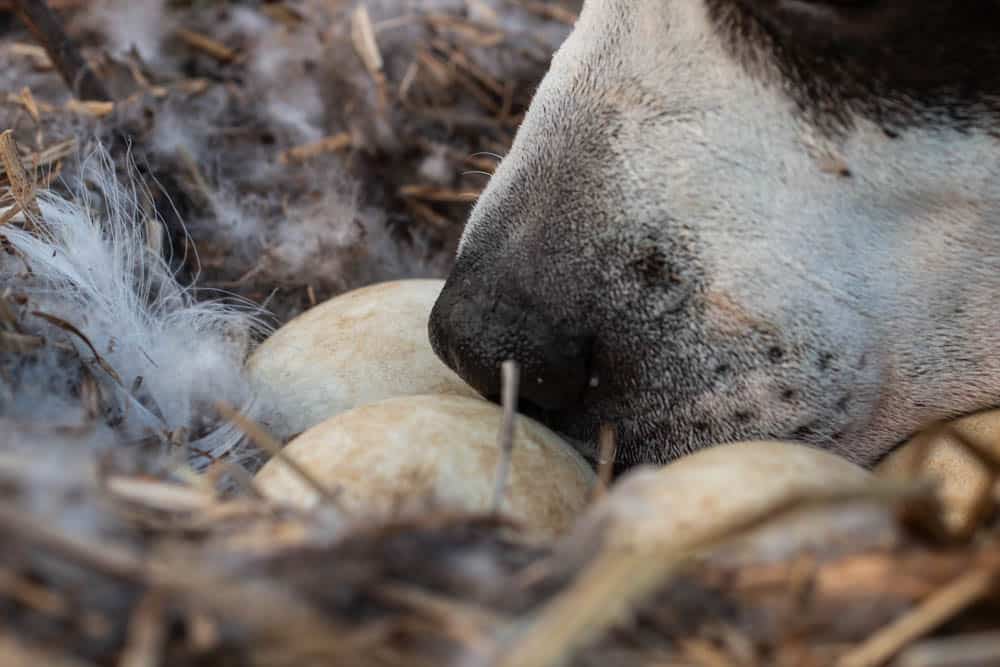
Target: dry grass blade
(618,579)
(331,144)
(62,51)
(934,611)
(11,213)
(206,45)
(30,105)
(440,195)
(95,108)
(43,158)
(975,649)
(22,186)
(268,443)
(505,438)
(365,44)
(549,10)
(19,342)
(603,594)
(36,54)
(427,214)
(158,495)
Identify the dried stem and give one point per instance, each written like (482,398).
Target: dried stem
(607,451)
(22,186)
(45,26)
(268,443)
(509,377)
(934,611)
(619,579)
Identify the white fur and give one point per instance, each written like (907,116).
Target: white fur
(882,258)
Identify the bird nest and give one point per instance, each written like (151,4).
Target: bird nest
(281,153)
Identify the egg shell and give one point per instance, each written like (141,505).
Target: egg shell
(360,347)
(439,447)
(678,505)
(939,455)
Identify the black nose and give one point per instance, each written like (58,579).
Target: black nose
(475,330)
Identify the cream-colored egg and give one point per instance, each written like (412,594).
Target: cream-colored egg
(437,447)
(679,505)
(360,347)
(939,455)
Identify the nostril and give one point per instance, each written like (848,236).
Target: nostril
(475,332)
(562,374)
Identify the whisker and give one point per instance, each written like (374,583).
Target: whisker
(488,154)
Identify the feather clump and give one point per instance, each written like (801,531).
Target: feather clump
(93,284)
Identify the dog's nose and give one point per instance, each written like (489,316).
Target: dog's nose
(474,331)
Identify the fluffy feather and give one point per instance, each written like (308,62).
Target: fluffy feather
(97,281)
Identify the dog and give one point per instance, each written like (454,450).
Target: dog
(728,220)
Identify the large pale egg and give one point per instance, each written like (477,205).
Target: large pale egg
(381,456)
(360,347)
(938,454)
(680,505)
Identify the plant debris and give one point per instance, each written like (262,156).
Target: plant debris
(281,153)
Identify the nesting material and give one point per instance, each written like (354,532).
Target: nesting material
(681,504)
(964,481)
(441,448)
(361,347)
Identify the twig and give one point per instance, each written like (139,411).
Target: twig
(330,144)
(619,579)
(505,439)
(158,495)
(934,611)
(366,46)
(45,26)
(207,45)
(607,451)
(268,443)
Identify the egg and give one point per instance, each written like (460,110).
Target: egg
(380,456)
(939,455)
(677,506)
(360,347)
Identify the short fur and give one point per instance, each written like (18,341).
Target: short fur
(768,219)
